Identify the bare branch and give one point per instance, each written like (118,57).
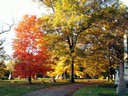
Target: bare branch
(10,27)
(2,41)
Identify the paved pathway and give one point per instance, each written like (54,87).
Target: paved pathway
(63,90)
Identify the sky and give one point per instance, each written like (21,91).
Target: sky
(17,8)
(14,10)
(125,2)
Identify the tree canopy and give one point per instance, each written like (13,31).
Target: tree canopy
(72,20)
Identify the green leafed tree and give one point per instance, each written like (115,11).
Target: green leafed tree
(10,65)
(3,54)
(2,67)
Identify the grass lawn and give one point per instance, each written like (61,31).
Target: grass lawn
(106,89)
(20,87)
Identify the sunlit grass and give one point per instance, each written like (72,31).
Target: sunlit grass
(19,87)
(90,80)
(106,89)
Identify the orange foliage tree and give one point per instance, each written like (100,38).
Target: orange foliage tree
(29,49)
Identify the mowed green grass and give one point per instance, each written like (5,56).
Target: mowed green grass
(20,87)
(106,89)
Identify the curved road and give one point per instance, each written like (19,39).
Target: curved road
(63,90)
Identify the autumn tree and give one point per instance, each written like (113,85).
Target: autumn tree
(98,15)
(29,48)
(107,37)
(70,18)
(68,21)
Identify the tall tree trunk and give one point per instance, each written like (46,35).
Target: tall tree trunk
(72,69)
(72,44)
(110,78)
(29,79)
